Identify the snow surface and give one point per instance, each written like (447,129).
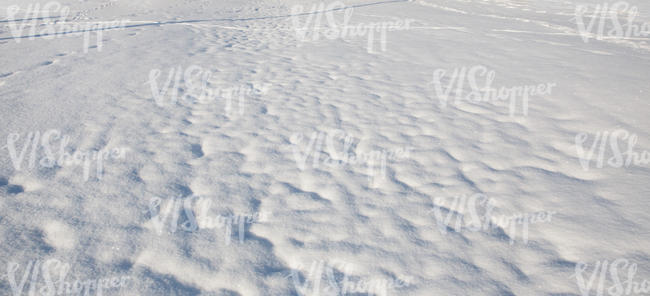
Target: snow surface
(356,222)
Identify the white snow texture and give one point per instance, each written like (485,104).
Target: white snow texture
(357,147)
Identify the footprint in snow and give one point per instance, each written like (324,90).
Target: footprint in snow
(11,188)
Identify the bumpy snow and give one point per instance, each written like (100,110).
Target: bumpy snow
(285,147)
